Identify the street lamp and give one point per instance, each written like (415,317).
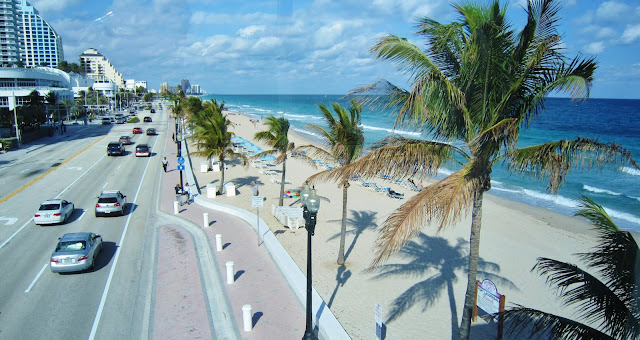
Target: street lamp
(310,205)
(179,144)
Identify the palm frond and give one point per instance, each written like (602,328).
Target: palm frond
(519,320)
(555,159)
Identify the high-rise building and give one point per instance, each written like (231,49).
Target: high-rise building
(195,89)
(9,33)
(164,87)
(40,44)
(99,68)
(185,85)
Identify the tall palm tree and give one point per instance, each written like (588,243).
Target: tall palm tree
(608,299)
(473,88)
(344,139)
(277,137)
(212,136)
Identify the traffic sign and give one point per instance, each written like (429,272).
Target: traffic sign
(181,160)
(180,167)
(257,201)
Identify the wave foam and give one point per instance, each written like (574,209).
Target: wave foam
(400,132)
(557,199)
(630,171)
(622,215)
(600,191)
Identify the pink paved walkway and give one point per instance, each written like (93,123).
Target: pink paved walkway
(277,314)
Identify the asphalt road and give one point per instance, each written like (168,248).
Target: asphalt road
(111,301)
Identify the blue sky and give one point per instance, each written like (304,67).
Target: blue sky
(308,47)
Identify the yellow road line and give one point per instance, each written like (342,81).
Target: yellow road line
(2,200)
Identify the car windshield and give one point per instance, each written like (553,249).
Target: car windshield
(107,200)
(49,206)
(70,246)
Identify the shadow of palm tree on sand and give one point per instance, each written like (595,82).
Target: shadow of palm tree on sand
(359,223)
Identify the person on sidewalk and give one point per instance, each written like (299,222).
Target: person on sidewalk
(187,190)
(165,162)
(256,192)
(178,194)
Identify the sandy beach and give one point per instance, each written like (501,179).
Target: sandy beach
(420,289)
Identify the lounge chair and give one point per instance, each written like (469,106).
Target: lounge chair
(388,192)
(363,183)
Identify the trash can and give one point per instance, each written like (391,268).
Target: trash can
(211,191)
(204,167)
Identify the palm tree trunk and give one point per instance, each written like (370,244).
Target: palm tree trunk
(474,254)
(343,226)
(284,170)
(220,187)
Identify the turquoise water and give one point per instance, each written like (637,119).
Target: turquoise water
(608,120)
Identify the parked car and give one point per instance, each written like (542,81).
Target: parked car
(53,211)
(110,202)
(75,252)
(136,130)
(115,148)
(153,110)
(151,132)
(147,119)
(143,150)
(106,121)
(125,140)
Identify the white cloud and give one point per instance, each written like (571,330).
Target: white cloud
(594,47)
(250,30)
(613,11)
(44,6)
(631,34)
(267,44)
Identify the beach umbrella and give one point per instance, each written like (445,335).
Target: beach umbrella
(237,139)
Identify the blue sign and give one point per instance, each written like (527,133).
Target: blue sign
(180,160)
(180,167)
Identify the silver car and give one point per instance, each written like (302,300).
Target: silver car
(53,211)
(111,202)
(75,252)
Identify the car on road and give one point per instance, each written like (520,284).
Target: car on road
(136,130)
(106,121)
(153,110)
(143,150)
(147,119)
(110,202)
(53,211)
(125,140)
(75,252)
(151,132)
(115,148)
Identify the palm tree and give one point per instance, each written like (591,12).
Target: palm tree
(476,85)
(212,136)
(52,100)
(277,137)
(607,299)
(345,140)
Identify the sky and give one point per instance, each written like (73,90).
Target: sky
(309,47)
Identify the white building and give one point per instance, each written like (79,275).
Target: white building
(100,69)
(17,83)
(40,44)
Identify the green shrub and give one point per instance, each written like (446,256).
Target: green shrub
(134,120)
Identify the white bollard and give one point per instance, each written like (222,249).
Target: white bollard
(246,318)
(176,208)
(218,242)
(229,272)
(205,219)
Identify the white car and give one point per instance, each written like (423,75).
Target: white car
(53,211)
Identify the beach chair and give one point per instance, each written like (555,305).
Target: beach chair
(375,187)
(363,183)
(388,193)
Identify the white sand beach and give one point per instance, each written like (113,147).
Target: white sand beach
(426,281)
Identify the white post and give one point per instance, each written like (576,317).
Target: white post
(230,272)
(176,208)
(246,318)
(205,219)
(218,242)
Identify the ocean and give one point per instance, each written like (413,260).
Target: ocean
(607,120)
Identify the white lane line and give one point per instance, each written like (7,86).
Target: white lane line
(84,173)
(119,167)
(36,278)
(25,170)
(120,244)
(105,184)
(81,216)
(16,233)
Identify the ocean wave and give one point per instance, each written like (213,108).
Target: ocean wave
(400,132)
(600,191)
(630,171)
(556,199)
(513,191)
(262,110)
(444,172)
(246,105)
(622,215)
(635,198)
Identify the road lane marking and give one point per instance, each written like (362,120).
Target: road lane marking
(36,278)
(81,216)
(116,256)
(16,233)
(25,170)
(119,167)
(2,200)
(10,220)
(105,184)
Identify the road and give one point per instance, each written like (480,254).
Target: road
(111,301)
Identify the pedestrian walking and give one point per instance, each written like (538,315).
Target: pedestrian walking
(178,194)
(256,192)
(165,162)
(187,190)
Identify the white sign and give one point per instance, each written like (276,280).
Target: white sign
(257,201)
(378,309)
(488,299)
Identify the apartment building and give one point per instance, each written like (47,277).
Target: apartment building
(100,69)
(40,44)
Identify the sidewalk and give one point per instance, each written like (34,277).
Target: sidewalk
(180,310)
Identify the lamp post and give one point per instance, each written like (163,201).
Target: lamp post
(179,144)
(310,206)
